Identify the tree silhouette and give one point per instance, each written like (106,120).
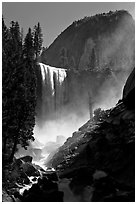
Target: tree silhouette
(18,89)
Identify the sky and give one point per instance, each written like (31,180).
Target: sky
(54,17)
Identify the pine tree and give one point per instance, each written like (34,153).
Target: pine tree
(5,38)
(26,96)
(18,91)
(30,88)
(37,40)
(12,79)
(28,48)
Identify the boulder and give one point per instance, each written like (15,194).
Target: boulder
(46,189)
(52,175)
(26,159)
(129,91)
(29,169)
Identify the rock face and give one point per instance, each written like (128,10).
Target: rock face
(129,91)
(59,98)
(101,154)
(96,42)
(86,64)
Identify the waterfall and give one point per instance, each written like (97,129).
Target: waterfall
(62,105)
(53,90)
(66,99)
(49,72)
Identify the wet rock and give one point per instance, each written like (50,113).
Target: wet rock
(52,175)
(29,169)
(129,91)
(45,190)
(26,159)
(99,174)
(107,148)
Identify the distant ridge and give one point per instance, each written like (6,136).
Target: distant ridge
(96,42)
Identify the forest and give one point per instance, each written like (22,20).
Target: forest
(19,60)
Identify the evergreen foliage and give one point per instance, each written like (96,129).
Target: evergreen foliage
(18,88)
(37,40)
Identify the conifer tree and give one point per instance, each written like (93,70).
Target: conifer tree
(30,88)
(12,79)
(18,91)
(5,38)
(37,40)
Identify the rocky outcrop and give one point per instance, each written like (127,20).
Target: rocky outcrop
(46,189)
(101,155)
(19,172)
(27,182)
(96,164)
(129,91)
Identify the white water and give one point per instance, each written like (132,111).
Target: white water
(31,178)
(27,187)
(48,72)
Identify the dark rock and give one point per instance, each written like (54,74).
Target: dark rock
(107,149)
(34,179)
(26,159)
(120,197)
(29,169)
(52,175)
(129,91)
(23,178)
(45,190)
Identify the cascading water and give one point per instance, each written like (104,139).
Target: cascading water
(49,72)
(65,97)
(53,90)
(60,107)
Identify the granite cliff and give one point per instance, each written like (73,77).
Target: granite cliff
(100,156)
(95,42)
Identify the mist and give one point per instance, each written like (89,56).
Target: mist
(119,46)
(116,52)
(64,126)
(73,116)
(111,92)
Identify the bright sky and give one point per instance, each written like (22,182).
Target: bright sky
(54,17)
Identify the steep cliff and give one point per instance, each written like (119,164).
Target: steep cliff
(96,42)
(101,154)
(63,93)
